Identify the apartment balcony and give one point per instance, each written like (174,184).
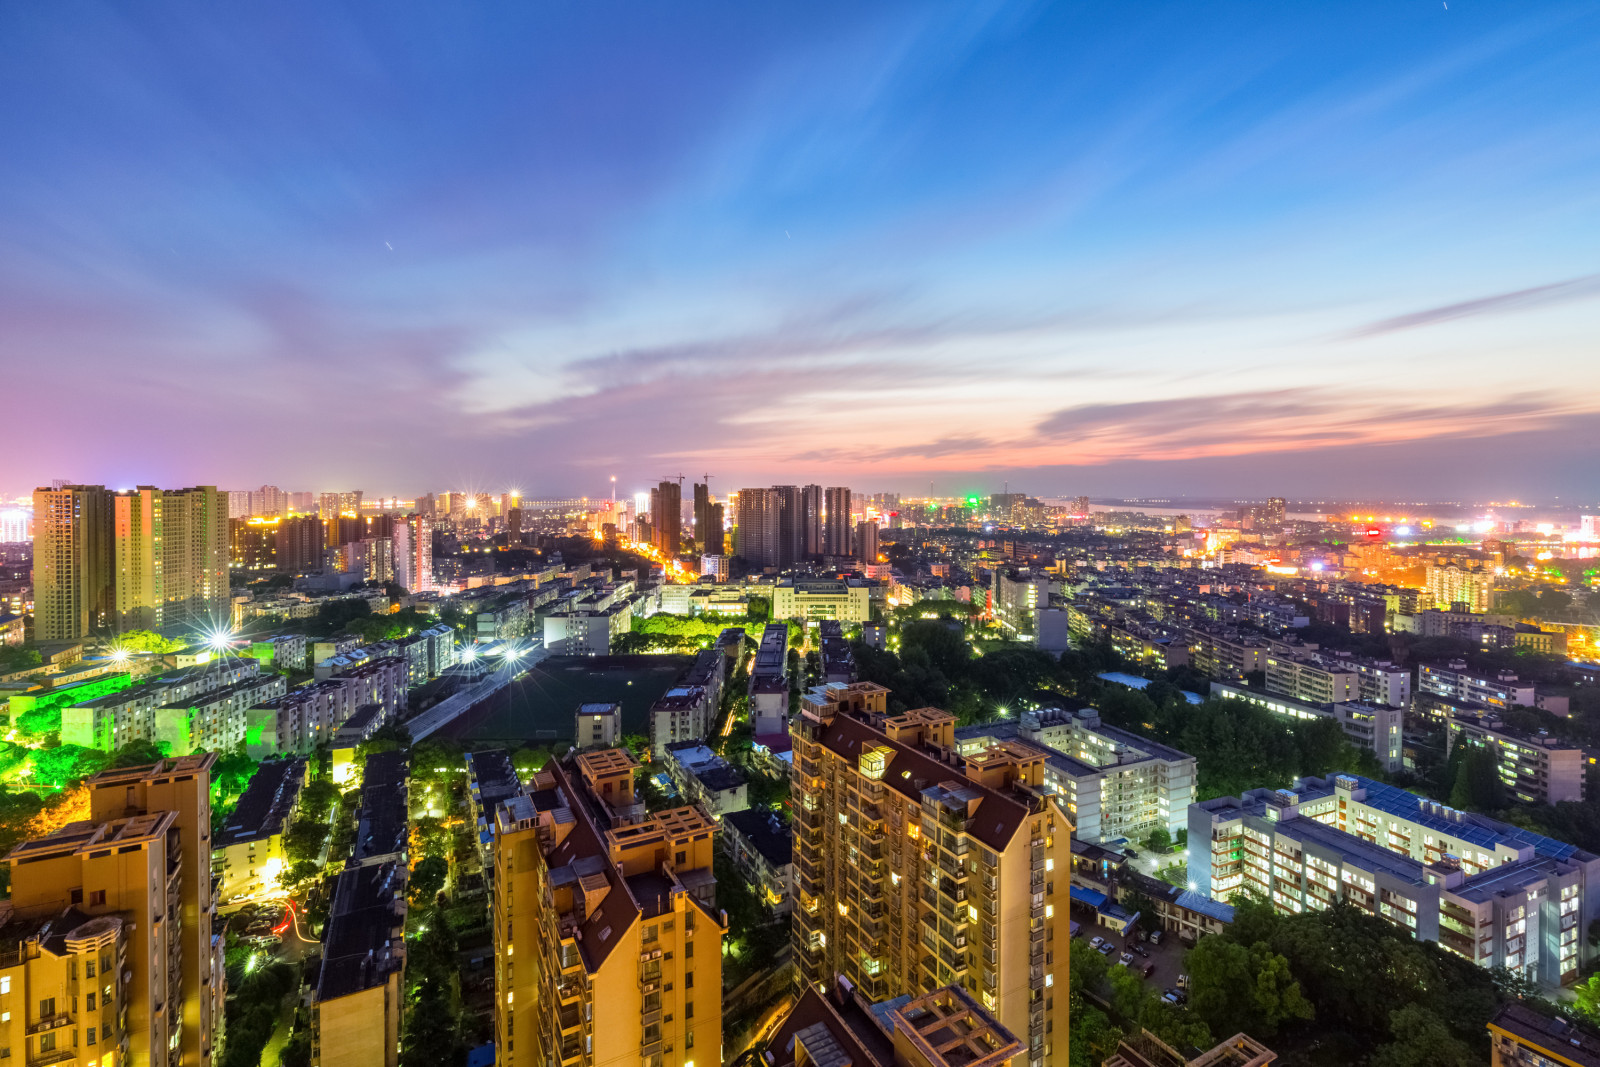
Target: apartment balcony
(569,1017)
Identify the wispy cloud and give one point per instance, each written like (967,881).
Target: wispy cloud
(1586,287)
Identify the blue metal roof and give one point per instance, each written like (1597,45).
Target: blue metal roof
(1089,897)
(1480,830)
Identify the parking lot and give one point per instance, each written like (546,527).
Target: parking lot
(1167,957)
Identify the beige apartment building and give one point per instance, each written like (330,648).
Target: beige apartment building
(608,944)
(917,867)
(143,859)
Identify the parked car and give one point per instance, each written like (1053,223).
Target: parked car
(1170,997)
(1149,969)
(1132,854)
(1127,959)
(1155,937)
(1096,943)
(1141,950)
(1106,948)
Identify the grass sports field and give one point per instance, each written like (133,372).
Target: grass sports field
(539,707)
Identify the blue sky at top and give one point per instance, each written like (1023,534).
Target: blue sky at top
(1087,247)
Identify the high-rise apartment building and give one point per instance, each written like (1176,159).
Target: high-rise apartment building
(917,867)
(666,518)
(73,573)
(514,527)
(809,542)
(758,528)
(413,552)
(836,521)
(867,542)
(300,543)
(608,945)
(171,552)
(143,858)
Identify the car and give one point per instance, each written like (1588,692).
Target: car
(1183,981)
(1096,943)
(1127,959)
(1170,997)
(1155,937)
(1141,950)
(1131,853)
(1106,948)
(1149,969)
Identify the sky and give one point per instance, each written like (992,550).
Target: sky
(1116,249)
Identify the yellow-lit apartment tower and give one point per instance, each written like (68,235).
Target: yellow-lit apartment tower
(144,859)
(171,555)
(608,947)
(918,868)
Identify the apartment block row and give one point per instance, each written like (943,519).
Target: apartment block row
(358,1004)
(1491,892)
(128,713)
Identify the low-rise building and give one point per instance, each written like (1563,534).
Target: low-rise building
(762,850)
(1455,681)
(845,599)
(682,713)
(360,992)
(1520,1035)
(706,779)
(597,725)
(1491,892)
(1118,787)
(247,853)
(943,1028)
(1535,767)
(1225,653)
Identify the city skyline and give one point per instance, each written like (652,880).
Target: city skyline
(1088,252)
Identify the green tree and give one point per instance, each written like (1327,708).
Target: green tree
(1586,996)
(427,879)
(146,641)
(138,754)
(232,773)
(18,658)
(61,766)
(1236,988)
(1422,1039)
(1159,840)
(1478,786)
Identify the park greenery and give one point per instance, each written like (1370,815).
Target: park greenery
(666,632)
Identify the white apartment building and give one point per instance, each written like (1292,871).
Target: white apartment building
(1118,786)
(1488,891)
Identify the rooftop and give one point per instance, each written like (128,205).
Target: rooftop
(765,833)
(1557,1037)
(266,803)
